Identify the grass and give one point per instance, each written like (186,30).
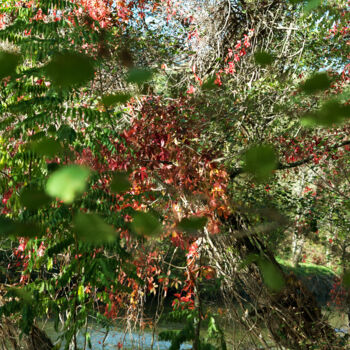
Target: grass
(307,269)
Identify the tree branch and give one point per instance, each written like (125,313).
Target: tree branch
(281,166)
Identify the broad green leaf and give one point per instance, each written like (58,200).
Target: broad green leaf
(260,161)
(272,277)
(70,69)
(331,113)
(92,229)
(8,63)
(139,75)
(120,183)
(318,82)
(67,183)
(263,58)
(192,224)
(65,132)
(145,224)
(110,100)
(48,147)
(33,198)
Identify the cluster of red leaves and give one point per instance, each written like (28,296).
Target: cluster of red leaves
(161,145)
(232,58)
(339,295)
(320,148)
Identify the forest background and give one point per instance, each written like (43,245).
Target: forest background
(180,158)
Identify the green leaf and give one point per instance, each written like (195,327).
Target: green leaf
(260,161)
(24,295)
(209,84)
(318,82)
(70,69)
(92,229)
(67,182)
(312,5)
(145,224)
(12,228)
(81,292)
(110,100)
(272,277)
(33,198)
(139,75)
(346,279)
(65,132)
(192,224)
(263,58)
(47,147)
(248,260)
(331,113)
(8,63)
(120,183)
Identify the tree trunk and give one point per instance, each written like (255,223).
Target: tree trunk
(291,315)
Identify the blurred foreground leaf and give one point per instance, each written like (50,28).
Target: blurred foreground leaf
(13,228)
(260,161)
(47,147)
(33,198)
(8,63)
(318,82)
(139,75)
(109,100)
(145,224)
(272,277)
(91,228)
(70,69)
(192,224)
(120,183)
(67,182)
(330,114)
(263,58)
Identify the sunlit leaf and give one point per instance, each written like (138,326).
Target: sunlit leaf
(91,228)
(70,69)
(33,198)
(263,58)
(120,183)
(260,161)
(192,224)
(67,183)
(318,82)
(8,63)
(110,100)
(139,75)
(145,224)
(81,292)
(47,147)
(272,276)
